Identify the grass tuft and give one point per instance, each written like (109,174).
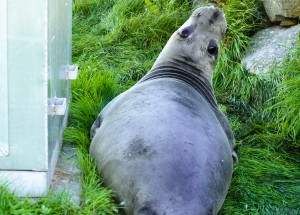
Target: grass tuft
(91,92)
(95,198)
(244,18)
(53,204)
(288,98)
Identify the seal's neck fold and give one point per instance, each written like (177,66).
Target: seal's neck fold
(185,73)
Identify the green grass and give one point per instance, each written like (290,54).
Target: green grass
(266,180)
(116,42)
(230,79)
(288,98)
(53,204)
(91,92)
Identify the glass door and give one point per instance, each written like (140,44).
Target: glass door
(4,149)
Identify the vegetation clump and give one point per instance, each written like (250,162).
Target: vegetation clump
(54,204)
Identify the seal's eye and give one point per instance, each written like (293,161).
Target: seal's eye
(212,48)
(184,33)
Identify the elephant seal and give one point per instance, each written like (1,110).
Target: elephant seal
(163,146)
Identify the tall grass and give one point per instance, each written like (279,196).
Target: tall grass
(244,18)
(266,180)
(288,98)
(91,92)
(53,204)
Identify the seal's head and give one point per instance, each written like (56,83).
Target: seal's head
(196,42)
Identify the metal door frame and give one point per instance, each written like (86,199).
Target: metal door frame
(4,148)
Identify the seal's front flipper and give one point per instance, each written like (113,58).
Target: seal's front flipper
(234,155)
(96,125)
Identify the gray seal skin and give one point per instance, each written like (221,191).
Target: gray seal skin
(164,146)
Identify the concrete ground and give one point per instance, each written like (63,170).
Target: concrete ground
(67,174)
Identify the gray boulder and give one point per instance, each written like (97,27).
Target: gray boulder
(269,47)
(280,10)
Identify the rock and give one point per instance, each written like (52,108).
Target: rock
(269,47)
(280,10)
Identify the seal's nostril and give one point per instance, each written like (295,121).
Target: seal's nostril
(212,48)
(214,16)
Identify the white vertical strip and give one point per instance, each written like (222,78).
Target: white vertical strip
(4,144)
(46,23)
